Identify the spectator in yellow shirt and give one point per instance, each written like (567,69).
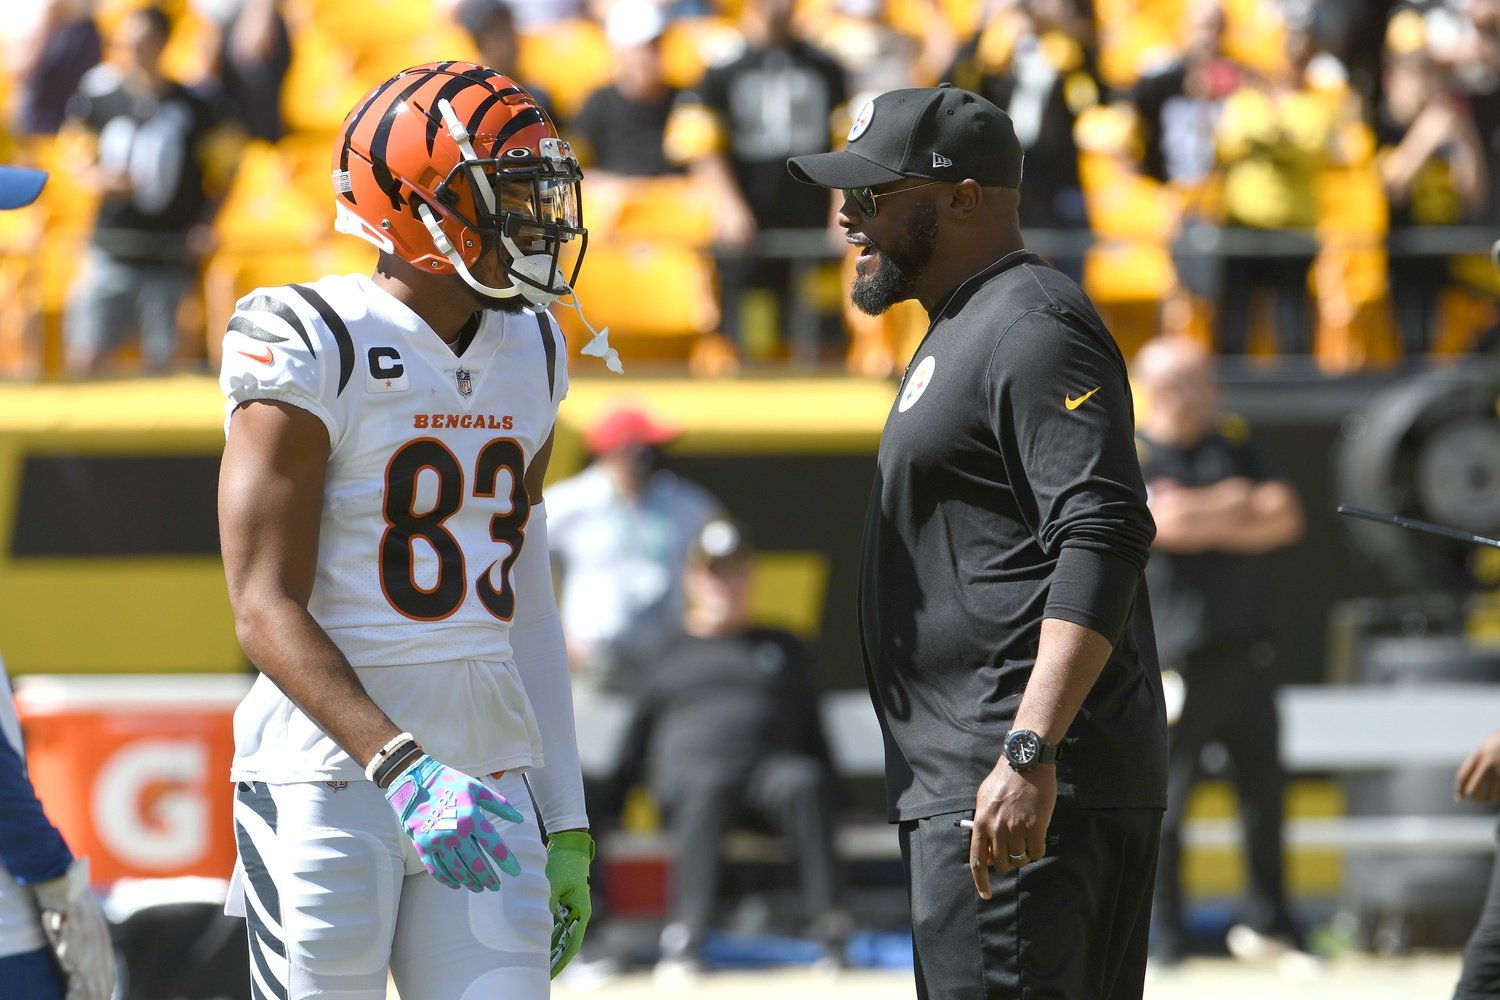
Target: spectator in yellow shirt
(1274,135)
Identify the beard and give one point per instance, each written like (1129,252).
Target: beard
(490,270)
(512,305)
(898,266)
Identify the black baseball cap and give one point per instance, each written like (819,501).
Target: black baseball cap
(942,133)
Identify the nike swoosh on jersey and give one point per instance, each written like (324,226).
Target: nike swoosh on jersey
(264,359)
(1074,404)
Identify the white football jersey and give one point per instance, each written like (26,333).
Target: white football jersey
(425,509)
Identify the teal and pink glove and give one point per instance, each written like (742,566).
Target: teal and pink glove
(448,816)
(568,857)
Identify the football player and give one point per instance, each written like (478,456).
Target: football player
(384,542)
(54,939)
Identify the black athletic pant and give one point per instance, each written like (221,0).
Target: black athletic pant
(1231,701)
(1071,926)
(791,793)
(1480,978)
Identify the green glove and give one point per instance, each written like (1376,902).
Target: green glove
(568,857)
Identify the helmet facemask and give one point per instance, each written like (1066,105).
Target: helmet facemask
(525,210)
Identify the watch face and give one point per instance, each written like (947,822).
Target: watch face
(1023,747)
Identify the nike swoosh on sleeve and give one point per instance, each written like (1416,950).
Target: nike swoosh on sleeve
(1074,404)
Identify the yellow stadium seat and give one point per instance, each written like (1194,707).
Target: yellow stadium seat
(67,202)
(650,209)
(440,41)
(690,44)
(308,157)
(322,84)
(656,299)
(1128,272)
(1124,204)
(570,59)
(374,25)
(265,208)
(190,48)
(230,274)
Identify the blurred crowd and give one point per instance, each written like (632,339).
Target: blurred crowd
(1275,178)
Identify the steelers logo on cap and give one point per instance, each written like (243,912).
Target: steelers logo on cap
(862,121)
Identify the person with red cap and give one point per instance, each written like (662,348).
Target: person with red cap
(620,532)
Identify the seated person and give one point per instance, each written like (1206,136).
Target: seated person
(727,725)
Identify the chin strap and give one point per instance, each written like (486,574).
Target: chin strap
(444,246)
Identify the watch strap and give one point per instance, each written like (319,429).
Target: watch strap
(1047,754)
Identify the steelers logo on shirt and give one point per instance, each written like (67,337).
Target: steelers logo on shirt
(921,378)
(862,121)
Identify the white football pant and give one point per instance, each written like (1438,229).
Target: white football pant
(334,895)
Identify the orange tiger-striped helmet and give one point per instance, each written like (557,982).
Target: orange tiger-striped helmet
(447,162)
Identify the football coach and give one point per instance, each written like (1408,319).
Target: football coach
(1005,627)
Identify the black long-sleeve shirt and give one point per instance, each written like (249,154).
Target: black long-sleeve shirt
(1007,492)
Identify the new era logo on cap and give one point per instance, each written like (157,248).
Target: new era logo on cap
(899,134)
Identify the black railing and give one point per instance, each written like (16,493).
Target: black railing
(808,249)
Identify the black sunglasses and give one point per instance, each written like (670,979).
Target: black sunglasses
(867,199)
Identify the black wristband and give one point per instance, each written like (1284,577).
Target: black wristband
(395,761)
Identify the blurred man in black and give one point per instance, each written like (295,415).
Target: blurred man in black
(1004,622)
(621,128)
(734,129)
(726,727)
(1216,507)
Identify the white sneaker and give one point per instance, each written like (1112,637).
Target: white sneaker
(676,973)
(593,974)
(1301,965)
(1249,945)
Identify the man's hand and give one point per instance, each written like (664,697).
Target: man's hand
(568,857)
(1479,776)
(447,814)
(1011,814)
(79,934)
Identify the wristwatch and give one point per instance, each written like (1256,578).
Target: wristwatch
(1025,750)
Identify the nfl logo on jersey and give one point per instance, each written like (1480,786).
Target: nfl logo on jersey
(465,381)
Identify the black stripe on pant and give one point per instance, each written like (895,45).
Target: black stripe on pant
(260,895)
